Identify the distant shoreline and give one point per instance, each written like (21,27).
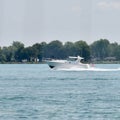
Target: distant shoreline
(95,62)
(106,62)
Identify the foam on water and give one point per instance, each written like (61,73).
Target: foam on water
(88,69)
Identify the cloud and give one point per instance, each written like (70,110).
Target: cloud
(109,5)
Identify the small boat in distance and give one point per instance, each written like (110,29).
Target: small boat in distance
(72,62)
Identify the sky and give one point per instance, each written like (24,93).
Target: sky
(35,21)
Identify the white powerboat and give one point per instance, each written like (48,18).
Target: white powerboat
(72,62)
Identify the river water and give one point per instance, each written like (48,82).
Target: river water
(35,92)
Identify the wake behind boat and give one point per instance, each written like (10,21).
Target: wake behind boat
(72,62)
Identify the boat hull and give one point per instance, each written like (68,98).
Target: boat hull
(66,65)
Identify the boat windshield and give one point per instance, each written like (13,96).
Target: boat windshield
(77,59)
(72,59)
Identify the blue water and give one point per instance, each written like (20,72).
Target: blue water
(35,92)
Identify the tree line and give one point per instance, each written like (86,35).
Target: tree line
(98,50)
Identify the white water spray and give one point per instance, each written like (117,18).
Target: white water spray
(88,69)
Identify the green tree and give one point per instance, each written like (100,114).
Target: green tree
(2,56)
(8,52)
(54,50)
(112,49)
(28,53)
(17,47)
(82,49)
(117,52)
(69,49)
(100,49)
(37,51)
(44,46)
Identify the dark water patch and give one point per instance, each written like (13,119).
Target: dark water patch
(23,117)
(54,102)
(101,79)
(17,98)
(109,79)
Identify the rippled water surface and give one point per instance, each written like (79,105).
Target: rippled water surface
(35,92)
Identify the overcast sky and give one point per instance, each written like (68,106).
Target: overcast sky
(31,21)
